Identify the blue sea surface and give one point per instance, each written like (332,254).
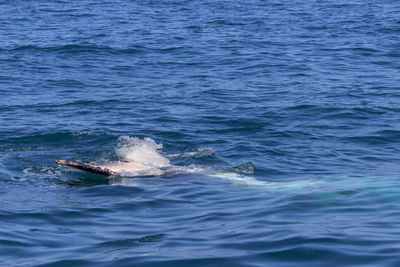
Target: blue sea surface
(307,91)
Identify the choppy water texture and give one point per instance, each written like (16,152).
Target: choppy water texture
(308,91)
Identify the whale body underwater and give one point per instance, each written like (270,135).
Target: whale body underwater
(240,176)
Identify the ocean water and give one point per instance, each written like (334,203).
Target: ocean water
(283,114)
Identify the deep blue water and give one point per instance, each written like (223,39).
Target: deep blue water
(308,91)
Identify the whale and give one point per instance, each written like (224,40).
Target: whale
(139,158)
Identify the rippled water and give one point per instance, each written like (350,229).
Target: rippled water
(308,91)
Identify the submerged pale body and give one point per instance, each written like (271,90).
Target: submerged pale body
(132,167)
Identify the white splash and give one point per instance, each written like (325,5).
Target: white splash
(143,157)
(145,151)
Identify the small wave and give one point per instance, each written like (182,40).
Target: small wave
(144,239)
(373,140)
(200,153)
(30,141)
(68,10)
(78,48)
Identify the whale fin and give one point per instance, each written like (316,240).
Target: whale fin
(245,168)
(86,167)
